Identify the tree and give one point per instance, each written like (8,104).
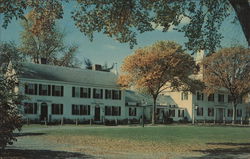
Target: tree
(123,18)
(9,52)
(10,118)
(38,42)
(229,68)
(162,66)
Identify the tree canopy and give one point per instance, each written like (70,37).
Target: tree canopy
(229,68)
(123,19)
(160,67)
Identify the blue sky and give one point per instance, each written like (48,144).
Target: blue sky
(106,50)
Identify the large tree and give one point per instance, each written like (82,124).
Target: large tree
(123,19)
(10,118)
(162,66)
(38,42)
(229,68)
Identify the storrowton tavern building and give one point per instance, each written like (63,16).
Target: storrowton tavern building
(55,93)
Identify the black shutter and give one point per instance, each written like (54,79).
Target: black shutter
(40,89)
(72,109)
(49,90)
(88,109)
(53,90)
(35,89)
(119,111)
(35,108)
(120,95)
(89,92)
(106,110)
(26,88)
(81,92)
(106,94)
(52,108)
(62,91)
(136,112)
(101,93)
(94,96)
(73,91)
(61,109)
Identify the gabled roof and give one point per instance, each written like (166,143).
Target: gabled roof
(138,98)
(66,74)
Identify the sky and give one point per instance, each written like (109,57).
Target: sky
(107,50)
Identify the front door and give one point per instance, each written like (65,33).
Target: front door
(44,111)
(97,113)
(219,114)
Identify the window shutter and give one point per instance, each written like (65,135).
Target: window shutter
(89,92)
(53,90)
(40,89)
(88,109)
(136,112)
(120,94)
(26,88)
(101,93)
(106,93)
(35,89)
(35,108)
(49,90)
(81,92)
(61,109)
(73,91)
(72,109)
(61,91)
(119,111)
(94,96)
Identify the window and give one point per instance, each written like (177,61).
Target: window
(184,96)
(44,90)
(97,93)
(57,90)
(116,94)
(199,111)
(57,108)
(108,94)
(239,112)
(81,92)
(112,110)
(108,110)
(132,111)
(116,111)
(180,113)
(30,108)
(200,96)
(210,97)
(31,89)
(172,112)
(230,99)
(80,109)
(230,112)
(210,111)
(221,98)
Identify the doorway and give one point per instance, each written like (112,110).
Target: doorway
(220,114)
(44,111)
(97,113)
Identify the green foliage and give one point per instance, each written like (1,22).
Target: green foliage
(10,118)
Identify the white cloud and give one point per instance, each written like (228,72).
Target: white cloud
(184,20)
(112,47)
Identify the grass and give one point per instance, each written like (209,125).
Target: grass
(166,134)
(158,141)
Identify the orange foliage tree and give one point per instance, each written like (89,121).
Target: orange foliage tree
(229,68)
(162,66)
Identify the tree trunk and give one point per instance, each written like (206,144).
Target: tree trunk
(234,113)
(242,10)
(153,111)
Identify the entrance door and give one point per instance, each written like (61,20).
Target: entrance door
(220,114)
(44,111)
(97,113)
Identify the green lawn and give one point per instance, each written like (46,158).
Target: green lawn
(170,134)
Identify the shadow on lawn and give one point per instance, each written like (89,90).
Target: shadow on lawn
(40,154)
(237,150)
(28,134)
